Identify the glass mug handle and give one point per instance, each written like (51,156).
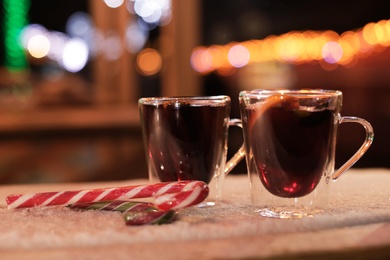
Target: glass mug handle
(363,148)
(239,154)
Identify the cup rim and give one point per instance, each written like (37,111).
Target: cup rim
(291,92)
(198,100)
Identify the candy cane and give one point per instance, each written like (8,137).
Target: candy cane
(177,189)
(192,194)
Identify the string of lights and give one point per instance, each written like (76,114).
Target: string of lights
(324,47)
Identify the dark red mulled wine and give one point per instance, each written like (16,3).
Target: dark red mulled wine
(290,146)
(184,141)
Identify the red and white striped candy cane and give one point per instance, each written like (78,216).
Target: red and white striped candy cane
(106,194)
(194,193)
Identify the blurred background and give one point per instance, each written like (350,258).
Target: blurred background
(71,73)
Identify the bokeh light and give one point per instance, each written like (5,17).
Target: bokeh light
(135,37)
(332,52)
(38,46)
(238,56)
(29,32)
(201,60)
(152,11)
(149,61)
(75,55)
(113,3)
(112,46)
(13,19)
(57,42)
(78,24)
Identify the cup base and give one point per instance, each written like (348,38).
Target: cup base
(206,204)
(286,214)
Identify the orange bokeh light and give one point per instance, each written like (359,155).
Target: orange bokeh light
(149,61)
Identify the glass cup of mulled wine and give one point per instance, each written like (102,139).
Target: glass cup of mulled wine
(290,140)
(185,138)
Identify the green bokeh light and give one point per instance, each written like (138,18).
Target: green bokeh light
(15,18)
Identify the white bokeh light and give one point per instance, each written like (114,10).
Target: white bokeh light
(154,17)
(238,56)
(78,24)
(113,3)
(152,11)
(57,43)
(135,37)
(30,31)
(332,52)
(75,55)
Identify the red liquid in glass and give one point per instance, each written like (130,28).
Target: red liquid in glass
(290,148)
(185,142)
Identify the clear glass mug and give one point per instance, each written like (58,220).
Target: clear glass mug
(290,140)
(185,138)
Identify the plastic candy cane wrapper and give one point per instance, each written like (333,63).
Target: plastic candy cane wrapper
(135,213)
(168,196)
